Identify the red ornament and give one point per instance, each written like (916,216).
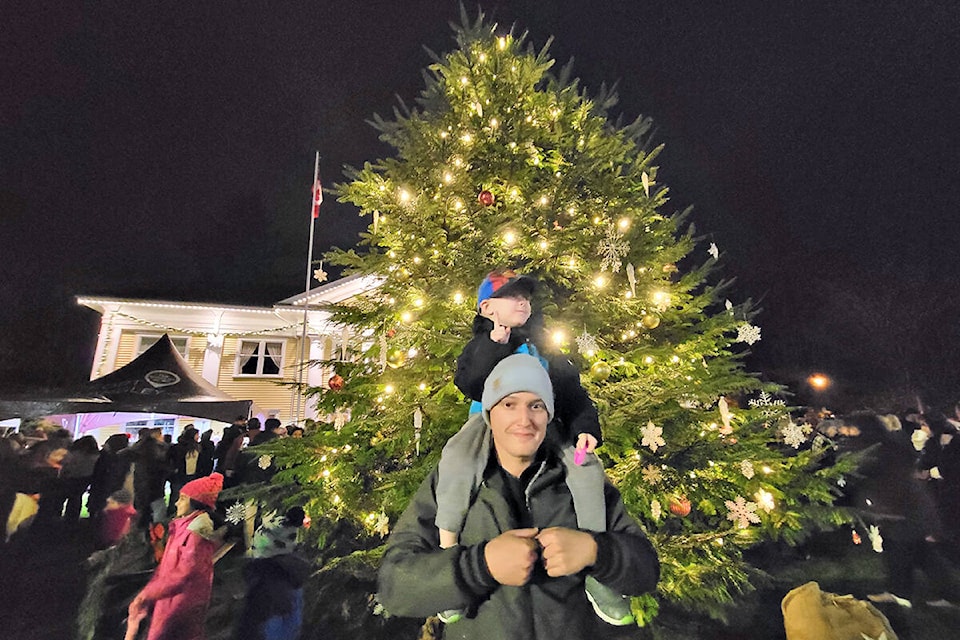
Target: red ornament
(391,332)
(335,382)
(856,537)
(680,507)
(486,198)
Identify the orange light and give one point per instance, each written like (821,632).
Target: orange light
(819,381)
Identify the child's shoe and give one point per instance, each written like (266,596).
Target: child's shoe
(450,616)
(610,606)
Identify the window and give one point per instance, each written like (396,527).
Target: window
(259,358)
(145,341)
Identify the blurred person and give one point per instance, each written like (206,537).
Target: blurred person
(146,460)
(115,518)
(77,474)
(207,450)
(184,461)
(108,473)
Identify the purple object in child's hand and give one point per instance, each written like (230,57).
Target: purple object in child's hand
(579,456)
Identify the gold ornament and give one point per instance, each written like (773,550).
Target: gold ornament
(650,321)
(396,358)
(600,371)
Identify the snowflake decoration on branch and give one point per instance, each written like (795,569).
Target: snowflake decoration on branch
(612,250)
(652,437)
(793,434)
(651,474)
(264,461)
(748,333)
(742,512)
(656,510)
(714,251)
(586,343)
(236,513)
(746,468)
(768,405)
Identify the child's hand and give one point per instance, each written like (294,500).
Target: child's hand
(586,442)
(500,332)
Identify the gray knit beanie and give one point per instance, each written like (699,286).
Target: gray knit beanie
(519,372)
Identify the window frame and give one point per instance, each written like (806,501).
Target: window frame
(262,354)
(139,349)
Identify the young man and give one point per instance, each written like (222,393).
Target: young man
(521,562)
(505,325)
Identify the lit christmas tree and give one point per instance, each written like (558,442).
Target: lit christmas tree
(503,163)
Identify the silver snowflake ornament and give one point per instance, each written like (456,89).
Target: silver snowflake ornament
(264,461)
(236,513)
(748,333)
(612,249)
(742,512)
(714,251)
(586,343)
(746,468)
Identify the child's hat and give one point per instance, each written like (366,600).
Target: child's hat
(505,283)
(515,373)
(204,489)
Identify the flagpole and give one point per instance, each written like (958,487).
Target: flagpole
(314,212)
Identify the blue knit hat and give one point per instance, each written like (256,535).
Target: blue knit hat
(503,284)
(515,373)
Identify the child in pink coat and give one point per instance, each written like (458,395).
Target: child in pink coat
(179,592)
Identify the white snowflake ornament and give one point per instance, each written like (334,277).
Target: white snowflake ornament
(793,434)
(656,510)
(264,461)
(612,250)
(714,251)
(382,525)
(652,437)
(236,513)
(742,512)
(748,333)
(746,468)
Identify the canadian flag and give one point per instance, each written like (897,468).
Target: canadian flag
(317,198)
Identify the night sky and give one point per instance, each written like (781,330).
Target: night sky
(157,149)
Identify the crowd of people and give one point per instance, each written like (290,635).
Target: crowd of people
(45,474)
(906,495)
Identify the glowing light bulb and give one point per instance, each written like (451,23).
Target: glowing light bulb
(623,224)
(417,260)
(509,237)
(674,359)
(418,302)
(559,337)
(464,80)
(600,282)
(388,389)
(458,205)
(544,245)
(648,360)
(767,469)
(458,297)
(466,138)
(406,316)
(447,177)
(501,43)
(422,386)
(494,123)
(404,196)
(544,201)
(412,352)
(326,473)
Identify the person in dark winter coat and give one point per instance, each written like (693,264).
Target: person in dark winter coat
(520,566)
(207,451)
(275,575)
(148,460)
(108,473)
(184,461)
(505,325)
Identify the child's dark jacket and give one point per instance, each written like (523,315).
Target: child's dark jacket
(574,412)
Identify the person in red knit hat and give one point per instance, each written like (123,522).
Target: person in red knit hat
(179,591)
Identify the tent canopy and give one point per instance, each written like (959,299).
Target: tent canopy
(158,381)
